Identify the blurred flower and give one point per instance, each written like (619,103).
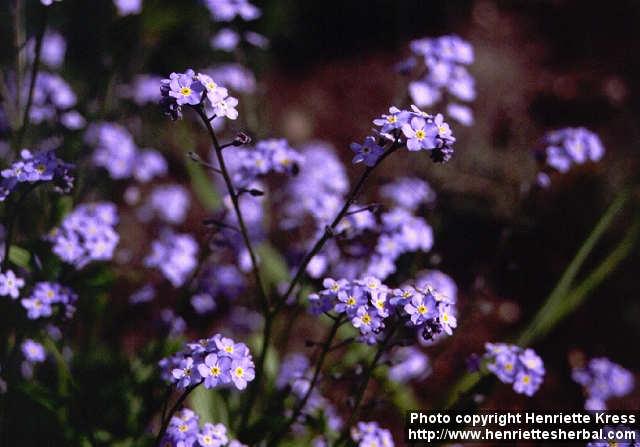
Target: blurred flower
(33,351)
(512,364)
(86,234)
(128,7)
(44,295)
(570,146)
(10,284)
(175,255)
(227,10)
(366,434)
(226,40)
(602,379)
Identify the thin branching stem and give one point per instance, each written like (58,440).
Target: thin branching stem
(326,347)
(176,406)
(359,395)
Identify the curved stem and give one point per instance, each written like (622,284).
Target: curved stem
(32,83)
(176,406)
(359,396)
(328,233)
(236,207)
(11,213)
(326,347)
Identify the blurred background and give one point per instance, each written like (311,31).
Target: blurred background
(331,68)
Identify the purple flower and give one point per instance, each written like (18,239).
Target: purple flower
(10,284)
(420,309)
(601,380)
(128,7)
(367,434)
(226,40)
(511,364)
(409,363)
(420,134)
(185,88)
(215,370)
(33,352)
(87,234)
(570,146)
(367,152)
(366,320)
(203,303)
(185,375)
(227,10)
(175,255)
(242,371)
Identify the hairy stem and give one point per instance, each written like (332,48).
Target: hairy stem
(326,347)
(176,406)
(236,207)
(359,396)
(32,82)
(328,233)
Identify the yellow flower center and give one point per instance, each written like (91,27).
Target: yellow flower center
(215,371)
(351,301)
(183,428)
(445,318)
(508,367)
(229,349)
(422,309)
(366,319)
(207,440)
(442,129)
(239,371)
(526,379)
(185,91)
(392,119)
(420,134)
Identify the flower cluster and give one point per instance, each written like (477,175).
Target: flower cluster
(216,362)
(175,255)
(296,374)
(128,7)
(142,90)
(53,101)
(567,147)
(52,53)
(169,202)
(47,294)
(227,10)
(87,234)
(441,70)
(116,152)
(317,190)
(10,284)
(400,233)
(602,379)
(409,363)
(227,40)
(194,90)
(246,165)
(368,303)
(184,431)
(235,76)
(366,434)
(512,364)
(415,129)
(408,193)
(34,168)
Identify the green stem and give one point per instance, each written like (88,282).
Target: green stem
(359,396)
(558,294)
(34,74)
(176,406)
(326,347)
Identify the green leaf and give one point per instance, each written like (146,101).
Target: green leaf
(272,264)
(210,405)
(203,187)
(19,256)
